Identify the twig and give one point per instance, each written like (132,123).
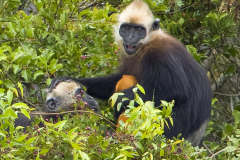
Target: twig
(237,39)
(59,4)
(20,42)
(7,40)
(229,95)
(11,78)
(231,103)
(208,150)
(80,111)
(218,152)
(90,5)
(222,113)
(176,11)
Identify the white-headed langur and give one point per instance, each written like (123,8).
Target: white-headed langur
(162,66)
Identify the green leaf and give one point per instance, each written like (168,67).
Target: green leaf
(91,140)
(11,128)
(20,139)
(84,155)
(63,19)
(120,156)
(127,147)
(20,87)
(212,15)
(8,83)
(231,70)
(23,33)
(133,117)
(20,105)
(181,21)
(141,88)
(38,73)
(10,112)
(230,149)
(71,131)
(43,61)
(228,129)
(155,146)
(164,103)
(25,113)
(223,15)
(84,12)
(50,54)
(214,100)
(3,57)
(16,68)
(26,74)
(2,103)
(37,158)
(216,37)
(236,115)
(114,99)
(60,125)
(9,96)
(30,140)
(45,151)
(119,106)
(2,133)
(76,146)
(19,127)
(161,152)
(49,80)
(161,8)
(233,51)
(138,145)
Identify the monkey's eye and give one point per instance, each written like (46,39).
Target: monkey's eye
(139,30)
(126,27)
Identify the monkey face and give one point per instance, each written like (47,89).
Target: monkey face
(131,34)
(65,95)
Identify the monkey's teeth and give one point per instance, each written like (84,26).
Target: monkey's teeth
(130,47)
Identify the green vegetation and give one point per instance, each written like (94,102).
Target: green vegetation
(41,39)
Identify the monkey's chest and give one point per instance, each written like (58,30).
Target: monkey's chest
(131,66)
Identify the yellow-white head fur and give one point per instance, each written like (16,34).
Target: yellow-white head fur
(137,12)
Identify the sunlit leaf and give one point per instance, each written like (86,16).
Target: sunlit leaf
(45,151)
(30,140)
(25,113)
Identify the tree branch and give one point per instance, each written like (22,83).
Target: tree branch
(76,111)
(218,152)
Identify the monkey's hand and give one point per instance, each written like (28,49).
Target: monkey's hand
(56,81)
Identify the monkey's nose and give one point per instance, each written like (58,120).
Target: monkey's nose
(51,104)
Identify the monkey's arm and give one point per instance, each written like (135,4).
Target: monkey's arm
(99,87)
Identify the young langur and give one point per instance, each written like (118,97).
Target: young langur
(162,66)
(62,98)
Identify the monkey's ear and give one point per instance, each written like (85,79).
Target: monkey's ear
(155,24)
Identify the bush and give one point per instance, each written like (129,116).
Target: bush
(43,39)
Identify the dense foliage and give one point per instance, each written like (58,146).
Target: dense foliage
(43,39)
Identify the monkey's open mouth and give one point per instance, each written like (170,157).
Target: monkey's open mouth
(130,49)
